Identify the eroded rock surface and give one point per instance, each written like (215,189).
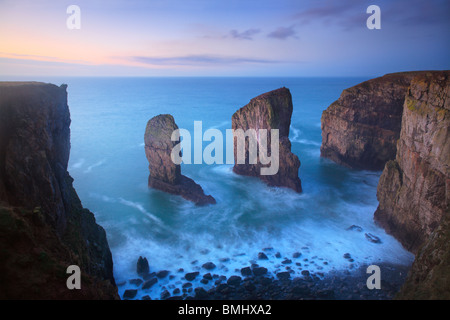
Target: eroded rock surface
(43,225)
(360,130)
(429,277)
(414,189)
(165,175)
(271,110)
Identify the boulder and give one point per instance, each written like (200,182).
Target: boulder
(354,228)
(372,238)
(162,274)
(191,275)
(209,266)
(207,276)
(149,283)
(259,271)
(165,294)
(246,272)
(284,275)
(200,293)
(142,267)
(129,294)
(262,256)
(136,282)
(234,280)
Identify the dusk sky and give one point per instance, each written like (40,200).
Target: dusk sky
(222,38)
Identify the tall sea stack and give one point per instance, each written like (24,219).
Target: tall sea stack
(271,110)
(43,226)
(165,175)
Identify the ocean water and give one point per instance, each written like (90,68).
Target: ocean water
(110,169)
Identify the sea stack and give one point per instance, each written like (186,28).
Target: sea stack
(414,188)
(165,175)
(271,110)
(360,130)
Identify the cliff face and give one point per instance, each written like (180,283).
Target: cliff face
(43,226)
(165,175)
(360,130)
(429,277)
(414,189)
(271,110)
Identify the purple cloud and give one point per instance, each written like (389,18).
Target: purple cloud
(352,13)
(245,35)
(283,33)
(198,60)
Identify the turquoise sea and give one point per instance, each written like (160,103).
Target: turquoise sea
(110,169)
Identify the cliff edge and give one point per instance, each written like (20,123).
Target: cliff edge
(414,189)
(360,130)
(43,225)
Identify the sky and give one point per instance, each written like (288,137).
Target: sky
(222,38)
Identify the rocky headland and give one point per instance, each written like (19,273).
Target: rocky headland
(43,225)
(165,175)
(271,110)
(414,188)
(360,130)
(401,122)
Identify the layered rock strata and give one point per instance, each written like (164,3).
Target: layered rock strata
(43,225)
(271,110)
(414,189)
(360,130)
(165,175)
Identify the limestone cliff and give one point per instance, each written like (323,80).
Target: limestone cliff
(271,110)
(165,175)
(360,130)
(43,226)
(414,189)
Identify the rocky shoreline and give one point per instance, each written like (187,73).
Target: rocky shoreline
(271,276)
(257,284)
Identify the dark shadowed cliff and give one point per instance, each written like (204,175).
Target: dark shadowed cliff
(43,225)
(429,277)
